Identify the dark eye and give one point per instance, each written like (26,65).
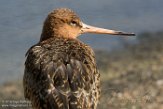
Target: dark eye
(73,23)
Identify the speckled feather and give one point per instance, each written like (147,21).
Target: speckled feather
(60,72)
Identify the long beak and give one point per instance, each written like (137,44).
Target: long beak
(91,29)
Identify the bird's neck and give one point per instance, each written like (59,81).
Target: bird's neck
(60,32)
(46,34)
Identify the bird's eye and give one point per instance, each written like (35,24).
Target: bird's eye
(73,23)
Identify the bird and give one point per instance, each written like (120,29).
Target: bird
(60,70)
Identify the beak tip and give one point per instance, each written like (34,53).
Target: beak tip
(133,34)
(126,34)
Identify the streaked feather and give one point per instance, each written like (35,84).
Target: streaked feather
(61,76)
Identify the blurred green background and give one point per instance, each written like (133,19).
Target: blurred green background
(131,67)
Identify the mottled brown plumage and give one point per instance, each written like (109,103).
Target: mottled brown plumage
(60,71)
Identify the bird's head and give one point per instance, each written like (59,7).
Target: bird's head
(65,23)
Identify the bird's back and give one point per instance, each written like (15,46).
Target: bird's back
(61,74)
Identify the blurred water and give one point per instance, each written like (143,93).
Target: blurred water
(21,24)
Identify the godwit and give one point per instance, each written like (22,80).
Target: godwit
(60,71)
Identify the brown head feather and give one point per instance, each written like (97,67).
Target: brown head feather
(61,22)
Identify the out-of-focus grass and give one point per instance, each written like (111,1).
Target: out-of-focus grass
(131,78)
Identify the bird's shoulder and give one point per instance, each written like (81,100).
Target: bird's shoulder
(61,49)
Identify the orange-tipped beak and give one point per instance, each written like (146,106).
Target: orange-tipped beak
(91,29)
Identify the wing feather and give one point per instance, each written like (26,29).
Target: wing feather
(52,83)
